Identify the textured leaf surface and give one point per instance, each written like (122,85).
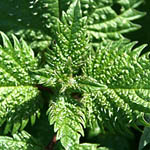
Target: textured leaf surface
(19,99)
(30,19)
(34,20)
(108,19)
(124,96)
(20,141)
(68,119)
(69,49)
(70,41)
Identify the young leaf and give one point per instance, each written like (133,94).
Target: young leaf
(19,98)
(71,40)
(69,50)
(20,141)
(124,96)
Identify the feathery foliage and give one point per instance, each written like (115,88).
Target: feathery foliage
(88,92)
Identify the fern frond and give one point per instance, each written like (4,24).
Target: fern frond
(68,119)
(19,98)
(124,97)
(20,141)
(104,22)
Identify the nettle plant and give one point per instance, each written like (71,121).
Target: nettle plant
(76,74)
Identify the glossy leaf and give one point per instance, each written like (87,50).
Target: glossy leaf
(108,19)
(69,50)
(121,90)
(19,98)
(68,119)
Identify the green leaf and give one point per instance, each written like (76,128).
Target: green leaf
(107,21)
(124,97)
(32,20)
(68,119)
(86,146)
(69,50)
(45,76)
(19,98)
(20,141)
